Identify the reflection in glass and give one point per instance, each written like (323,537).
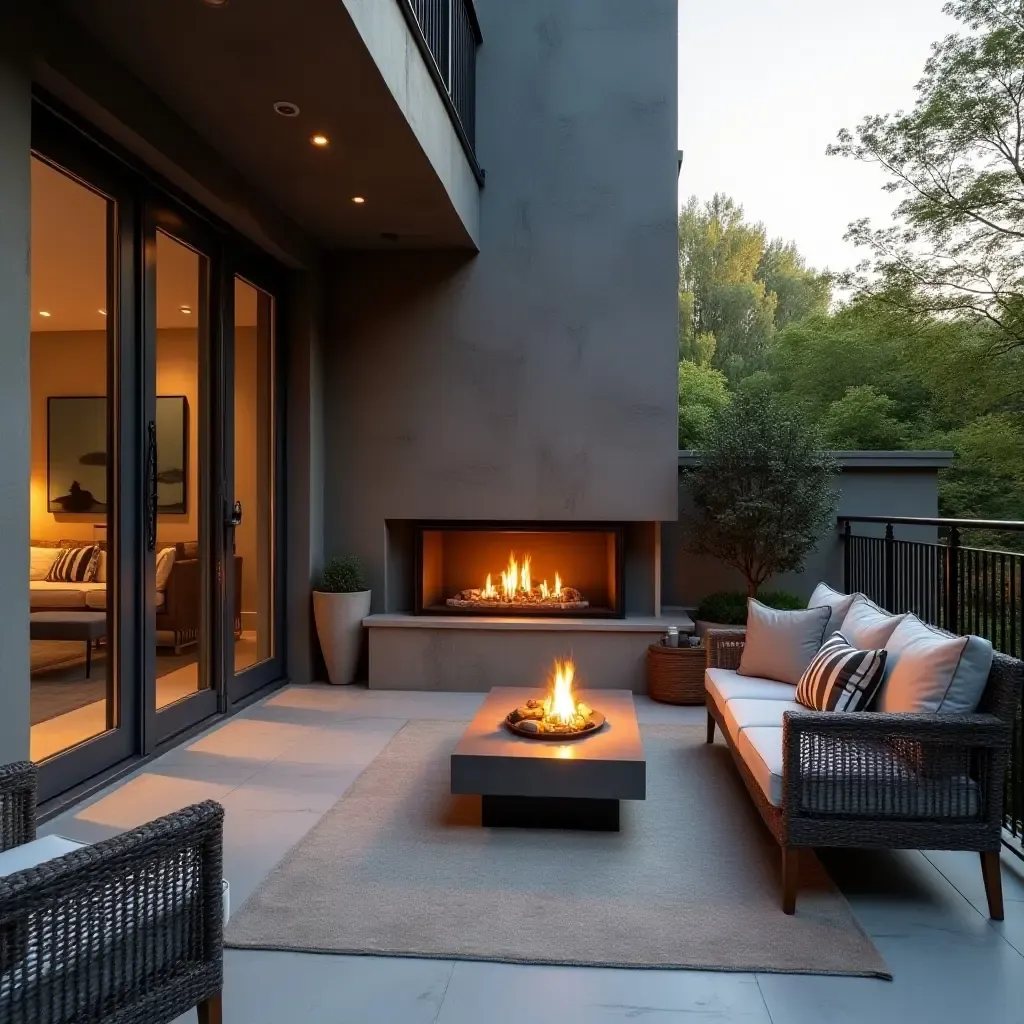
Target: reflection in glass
(254,474)
(72,679)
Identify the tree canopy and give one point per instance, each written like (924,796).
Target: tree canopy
(926,348)
(956,161)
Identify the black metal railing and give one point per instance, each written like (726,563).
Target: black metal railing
(449,33)
(964,588)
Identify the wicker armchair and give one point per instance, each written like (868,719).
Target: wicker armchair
(889,781)
(129,930)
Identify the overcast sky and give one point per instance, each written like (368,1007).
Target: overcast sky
(764,86)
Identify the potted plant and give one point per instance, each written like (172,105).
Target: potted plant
(729,608)
(339,607)
(763,493)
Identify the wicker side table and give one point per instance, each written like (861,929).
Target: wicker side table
(675,675)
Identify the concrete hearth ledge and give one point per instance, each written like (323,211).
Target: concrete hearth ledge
(476,653)
(630,624)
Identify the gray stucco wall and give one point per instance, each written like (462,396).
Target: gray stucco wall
(15,232)
(870,484)
(536,380)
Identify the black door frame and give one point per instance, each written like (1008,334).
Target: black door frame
(141,201)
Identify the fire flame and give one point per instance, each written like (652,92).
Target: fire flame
(517,580)
(560,704)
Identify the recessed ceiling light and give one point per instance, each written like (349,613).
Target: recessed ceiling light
(320,140)
(358,200)
(216,3)
(43,312)
(102,312)
(186,309)
(286,108)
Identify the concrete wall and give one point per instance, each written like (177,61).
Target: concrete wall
(538,379)
(15,230)
(870,484)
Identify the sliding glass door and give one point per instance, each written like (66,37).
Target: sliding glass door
(156,463)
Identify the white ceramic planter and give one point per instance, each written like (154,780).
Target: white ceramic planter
(339,625)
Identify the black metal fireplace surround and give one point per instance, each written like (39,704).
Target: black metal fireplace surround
(454,558)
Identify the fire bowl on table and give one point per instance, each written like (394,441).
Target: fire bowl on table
(538,729)
(558,716)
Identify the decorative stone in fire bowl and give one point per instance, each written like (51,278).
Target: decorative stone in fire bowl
(558,716)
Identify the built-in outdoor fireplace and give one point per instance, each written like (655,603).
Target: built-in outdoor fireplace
(557,570)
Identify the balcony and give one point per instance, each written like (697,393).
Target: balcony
(448,34)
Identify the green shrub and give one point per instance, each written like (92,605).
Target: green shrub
(343,576)
(729,607)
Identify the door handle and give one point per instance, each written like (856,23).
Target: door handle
(152,495)
(234,517)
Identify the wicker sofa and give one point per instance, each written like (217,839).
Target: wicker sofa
(127,930)
(866,779)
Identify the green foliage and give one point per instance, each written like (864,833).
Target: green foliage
(863,418)
(736,288)
(763,491)
(729,607)
(956,248)
(343,576)
(703,394)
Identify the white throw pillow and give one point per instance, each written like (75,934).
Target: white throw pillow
(781,644)
(867,626)
(164,565)
(101,568)
(839,603)
(929,670)
(41,561)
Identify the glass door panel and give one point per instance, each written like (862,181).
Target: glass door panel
(254,446)
(178,482)
(74,695)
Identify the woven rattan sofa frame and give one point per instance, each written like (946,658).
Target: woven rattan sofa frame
(981,740)
(141,965)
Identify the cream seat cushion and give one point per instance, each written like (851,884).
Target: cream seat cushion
(61,595)
(899,795)
(747,713)
(726,684)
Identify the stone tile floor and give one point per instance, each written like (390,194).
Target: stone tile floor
(278,766)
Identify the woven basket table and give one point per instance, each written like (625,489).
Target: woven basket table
(675,675)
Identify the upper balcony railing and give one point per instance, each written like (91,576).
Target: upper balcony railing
(448,34)
(973,587)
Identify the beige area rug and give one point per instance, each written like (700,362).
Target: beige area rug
(400,867)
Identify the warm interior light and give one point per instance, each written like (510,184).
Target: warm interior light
(320,140)
(102,312)
(186,309)
(358,200)
(43,312)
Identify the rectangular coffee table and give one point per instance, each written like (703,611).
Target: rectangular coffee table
(549,783)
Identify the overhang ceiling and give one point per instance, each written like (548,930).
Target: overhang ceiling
(222,68)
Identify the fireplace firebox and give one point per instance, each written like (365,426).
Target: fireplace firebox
(562,570)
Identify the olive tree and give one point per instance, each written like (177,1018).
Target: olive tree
(763,491)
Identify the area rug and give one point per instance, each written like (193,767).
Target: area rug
(400,867)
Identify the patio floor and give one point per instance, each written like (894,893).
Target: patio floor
(278,766)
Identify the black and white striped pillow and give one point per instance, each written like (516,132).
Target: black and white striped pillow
(75,565)
(841,678)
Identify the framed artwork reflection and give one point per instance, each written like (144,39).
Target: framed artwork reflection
(76,454)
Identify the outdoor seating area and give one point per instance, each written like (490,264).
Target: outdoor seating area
(280,767)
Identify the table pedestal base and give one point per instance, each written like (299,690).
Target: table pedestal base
(549,812)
